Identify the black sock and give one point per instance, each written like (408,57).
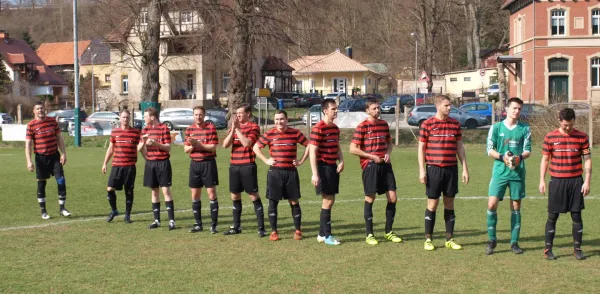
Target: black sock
(196,206)
(325,222)
(214,212)
(170,210)
(450,219)
(260,213)
(368,214)
(577,230)
(128,201)
(297,215)
(429,223)
(41,195)
(273,214)
(156,210)
(112,199)
(237,213)
(550,229)
(390,214)
(61,202)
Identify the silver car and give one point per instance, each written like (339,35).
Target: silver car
(102,116)
(181,118)
(315,114)
(469,120)
(5,119)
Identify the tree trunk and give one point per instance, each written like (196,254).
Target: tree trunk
(474,11)
(501,83)
(150,53)
(239,58)
(469,36)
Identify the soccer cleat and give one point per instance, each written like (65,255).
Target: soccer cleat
(321,239)
(171,225)
(548,254)
(45,215)
(65,213)
(112,215)
(196,228)
(428,245)
(371,240)
(261,233)
(274,236)
(516,249)
(127,219)
(331,240)
(298,235)
(489,249)
(232,231)
(155,224)
(452,245)
(213,229)
(579,254)
(392,237)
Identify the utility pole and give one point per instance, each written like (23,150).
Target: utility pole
(77,134)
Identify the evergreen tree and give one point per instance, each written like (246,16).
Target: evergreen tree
(5,81)
(27,38)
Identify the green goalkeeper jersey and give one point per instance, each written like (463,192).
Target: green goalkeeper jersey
(502,139)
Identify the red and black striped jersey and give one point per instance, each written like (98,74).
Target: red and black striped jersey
(565,151)
(327,139)
(125,143)
(160,134)
(241,155)
(204,133)
(440,138)
(373,138)
(44,134)
(282,145)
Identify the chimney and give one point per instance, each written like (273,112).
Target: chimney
(3,34)
(349,51)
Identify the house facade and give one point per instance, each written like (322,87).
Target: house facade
(555,50)
(96,58)
(470,80)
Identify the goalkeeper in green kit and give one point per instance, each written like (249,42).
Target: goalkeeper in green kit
(509,143)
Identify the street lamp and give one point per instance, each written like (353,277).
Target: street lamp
(416,36)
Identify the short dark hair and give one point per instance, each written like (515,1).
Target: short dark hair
(199,107)
(39,102)
(567,114)
(247,108)
(281,111)
(514,99)
(326,103)
(152,111)
(370,102)
(124,110)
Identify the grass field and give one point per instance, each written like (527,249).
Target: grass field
(86,254)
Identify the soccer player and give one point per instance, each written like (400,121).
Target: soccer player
(155,146)
(509,143)
(373,144)
(242,169)
(439,143)
(44,136)
(123,146)
(201,143)
(282,179)
(324,155)
(564,149)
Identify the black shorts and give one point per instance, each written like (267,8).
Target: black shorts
(203,174)
(243,178)
(441,180)
(157,173)
(47,166)
(378,178)
(564,195)
(122,176)
(329,183)
(283,183)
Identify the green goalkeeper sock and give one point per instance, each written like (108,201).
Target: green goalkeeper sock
(492,219)
(515,226)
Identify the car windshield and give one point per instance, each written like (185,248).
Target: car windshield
(6,117)
(494,87)
(315,108)
(346,104)
(391,99)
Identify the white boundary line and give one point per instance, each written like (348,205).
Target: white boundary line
(250,206)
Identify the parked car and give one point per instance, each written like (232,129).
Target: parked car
(103,116)
(493,89)
(138,120)
(64,117)
(352,105)
(479,108)
(389,105)
(335,95)
(315,114)
(309,99)
(422,112)
(5,119)
(528,111)
(181,118)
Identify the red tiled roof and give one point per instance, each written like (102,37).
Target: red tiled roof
(333,62)
(60,53)
(18,52)
(507,3)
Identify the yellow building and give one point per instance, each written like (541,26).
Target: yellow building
(333,73)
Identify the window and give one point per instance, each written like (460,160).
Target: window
(558,22)
(144,18)
(453,79)
(107,78)
(125,84)
(186,17)
(467,79)
(427,109)
(558,65)
(225,83)
(596,22)
(470,108)
(190,82)
(595,74)
(483,107)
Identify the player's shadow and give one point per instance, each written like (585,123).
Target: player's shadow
(420,235)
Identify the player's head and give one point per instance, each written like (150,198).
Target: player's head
(124,118)
(567,119)
(244,112)
(443,104)
(513,107)
(281,119)
(39,110)
(329,108)
(199,114)
(150,116)
(372,108)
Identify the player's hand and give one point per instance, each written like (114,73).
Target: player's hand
(340,167)
(542,187)
(145,138)
(508,160)
(423,177)
(297,163)
(465,176)
(386,158)
(63,159)
(270,162)
(377,159)
(315,180)
(104,169)
(150,142)
(30,166)
(192,141)
(585,189)
(236,123)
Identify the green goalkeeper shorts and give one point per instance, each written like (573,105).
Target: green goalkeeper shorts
(498,188)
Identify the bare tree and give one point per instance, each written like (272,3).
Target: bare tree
(150,40)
